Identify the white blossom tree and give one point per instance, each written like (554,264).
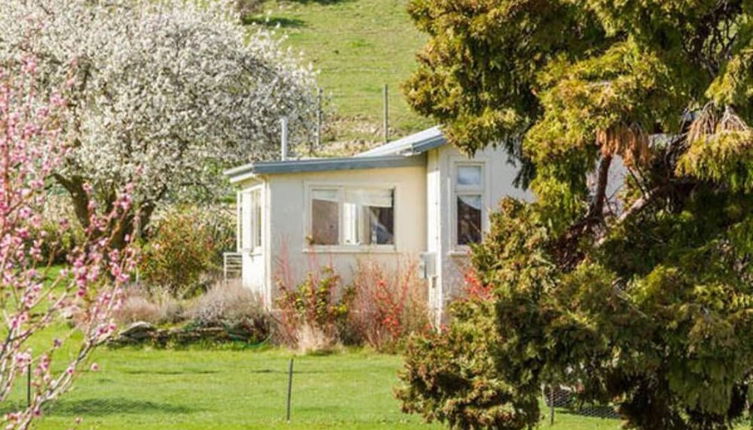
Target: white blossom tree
(168,92)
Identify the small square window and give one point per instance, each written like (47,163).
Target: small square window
(469,176)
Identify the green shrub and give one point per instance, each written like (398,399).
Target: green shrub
(184,247)
(451,377)
(485,369)
(61,240)
(60,229)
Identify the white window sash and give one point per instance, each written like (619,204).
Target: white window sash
(351,200)
(256,221)
(238,220)
(470,191)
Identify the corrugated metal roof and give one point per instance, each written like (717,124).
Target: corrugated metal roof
(414,144)
(404,152)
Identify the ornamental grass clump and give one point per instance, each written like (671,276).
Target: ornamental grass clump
(234,308)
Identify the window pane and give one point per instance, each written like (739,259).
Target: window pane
(369,216)
(469,219)
(469,175)
(325,220)
(257,219)
(382,225)
(351,224)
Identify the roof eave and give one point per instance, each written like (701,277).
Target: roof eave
(252,170)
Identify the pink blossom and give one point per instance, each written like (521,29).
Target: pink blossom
(31,150)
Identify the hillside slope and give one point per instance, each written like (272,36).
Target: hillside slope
(358,46)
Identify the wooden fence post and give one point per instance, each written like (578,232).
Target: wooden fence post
(386,114)
(290,387)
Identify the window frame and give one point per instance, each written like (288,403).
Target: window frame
(457,190)
(250,238)
(257,222)
(342,247)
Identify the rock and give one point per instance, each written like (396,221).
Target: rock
(138,331)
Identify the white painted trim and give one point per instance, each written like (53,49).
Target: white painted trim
(455,161)
(251,249)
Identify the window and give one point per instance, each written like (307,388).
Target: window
(325,217)
(469,193)
(256,218)
(250,220)
(352,216)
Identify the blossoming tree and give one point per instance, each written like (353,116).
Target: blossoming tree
(167,91)
(33,297)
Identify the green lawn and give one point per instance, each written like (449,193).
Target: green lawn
(358,45)
(243,389)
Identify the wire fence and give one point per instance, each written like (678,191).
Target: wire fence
(563,400)
(302,390)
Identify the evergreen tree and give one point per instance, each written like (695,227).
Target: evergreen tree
(644,298)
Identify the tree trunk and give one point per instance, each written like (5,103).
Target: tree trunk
(135,221)
(79,197)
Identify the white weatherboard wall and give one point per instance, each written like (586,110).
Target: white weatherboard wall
(288,254)
(452,260)
(253,258)
(424,222)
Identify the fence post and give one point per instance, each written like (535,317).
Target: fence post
(551,404)
(28,385)
(386,114)
(290,387)
(318,119)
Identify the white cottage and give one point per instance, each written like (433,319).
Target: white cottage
(414,198)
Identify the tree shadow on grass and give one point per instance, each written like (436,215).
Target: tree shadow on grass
(113,406)
(273,21)
(285,372)
(320,2)
(596,411)
(171,372)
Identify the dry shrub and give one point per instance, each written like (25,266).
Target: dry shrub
(388,305)
(155,307)
(314,339)
(233,307)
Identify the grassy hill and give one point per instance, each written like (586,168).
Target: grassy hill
(358,46)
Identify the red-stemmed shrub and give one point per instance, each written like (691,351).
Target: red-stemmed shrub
(388,305)
(474,289)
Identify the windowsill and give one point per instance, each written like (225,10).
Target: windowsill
(460,252)
(350,249)
(256,252)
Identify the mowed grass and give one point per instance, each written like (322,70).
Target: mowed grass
(244,389)
(358,46)
(234,387)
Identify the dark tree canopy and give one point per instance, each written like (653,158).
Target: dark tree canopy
(643,298)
